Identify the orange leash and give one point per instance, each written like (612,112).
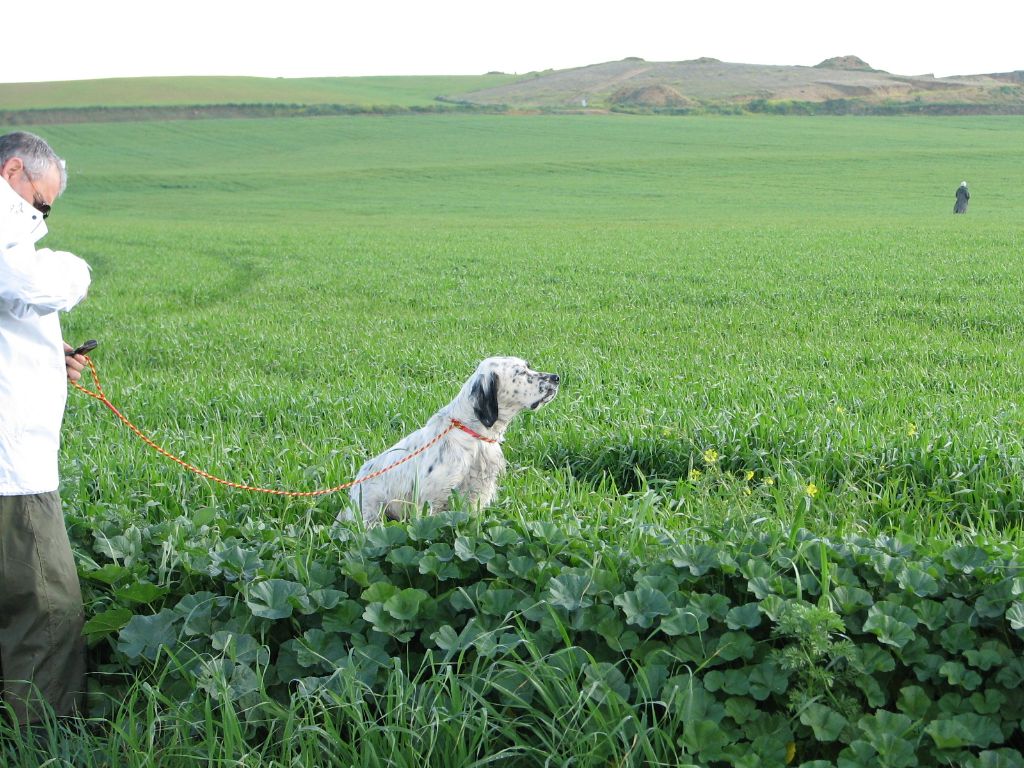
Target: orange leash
(99,395)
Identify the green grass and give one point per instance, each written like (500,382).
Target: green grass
(175,91)
(443,722)
(795,294)
(278,300)
(848,176)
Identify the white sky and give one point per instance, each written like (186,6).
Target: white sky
(83,39)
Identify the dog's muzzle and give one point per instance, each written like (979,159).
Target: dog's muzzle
(549,383)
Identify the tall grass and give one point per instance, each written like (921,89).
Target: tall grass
(543,710)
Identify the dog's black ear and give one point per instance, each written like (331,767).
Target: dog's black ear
(485,399)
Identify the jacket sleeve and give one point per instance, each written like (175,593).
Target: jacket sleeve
(40,281)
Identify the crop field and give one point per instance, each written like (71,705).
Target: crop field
(773,516)
(171,91)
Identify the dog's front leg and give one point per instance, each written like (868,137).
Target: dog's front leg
(439,503)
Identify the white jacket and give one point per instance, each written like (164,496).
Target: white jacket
(34,286)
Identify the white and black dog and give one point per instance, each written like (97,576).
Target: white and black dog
(468,459)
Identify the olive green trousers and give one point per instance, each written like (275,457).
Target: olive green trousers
(42,653)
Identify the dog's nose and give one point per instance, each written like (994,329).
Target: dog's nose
(553,378)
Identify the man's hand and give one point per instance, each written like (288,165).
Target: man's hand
(75,364)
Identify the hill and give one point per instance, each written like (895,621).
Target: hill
(134,98)
(203,91)
(845,62)
(838,85)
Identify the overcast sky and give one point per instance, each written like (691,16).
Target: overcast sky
(82,39)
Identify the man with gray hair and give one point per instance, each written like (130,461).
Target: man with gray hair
(42,655)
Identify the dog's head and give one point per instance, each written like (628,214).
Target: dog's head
(501,387)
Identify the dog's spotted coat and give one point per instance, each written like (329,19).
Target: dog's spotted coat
(500,388)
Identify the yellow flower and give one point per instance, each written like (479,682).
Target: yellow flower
(840,410)
(811,490)
(769,481)
(695,475)
(750,475)
(710,456)
(911,429)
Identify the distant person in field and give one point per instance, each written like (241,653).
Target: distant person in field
(962,197)
(42,656)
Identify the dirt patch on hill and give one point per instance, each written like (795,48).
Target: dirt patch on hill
(650,97)
(845,62)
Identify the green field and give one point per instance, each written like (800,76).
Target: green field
(178,91)
(776,343)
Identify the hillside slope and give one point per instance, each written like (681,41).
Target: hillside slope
(133,92)
(637,83)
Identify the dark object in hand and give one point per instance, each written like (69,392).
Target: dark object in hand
(88,346)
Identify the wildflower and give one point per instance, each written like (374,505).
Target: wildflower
(695,475)
(710,456)
(811,490)
(750,475)
(911,429)
(769,481)
(840,410)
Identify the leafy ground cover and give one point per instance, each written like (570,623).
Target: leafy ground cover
(772,516)
(741,649)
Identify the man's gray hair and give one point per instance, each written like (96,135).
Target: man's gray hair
(34,152)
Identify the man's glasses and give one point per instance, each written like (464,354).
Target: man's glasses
(37,199)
